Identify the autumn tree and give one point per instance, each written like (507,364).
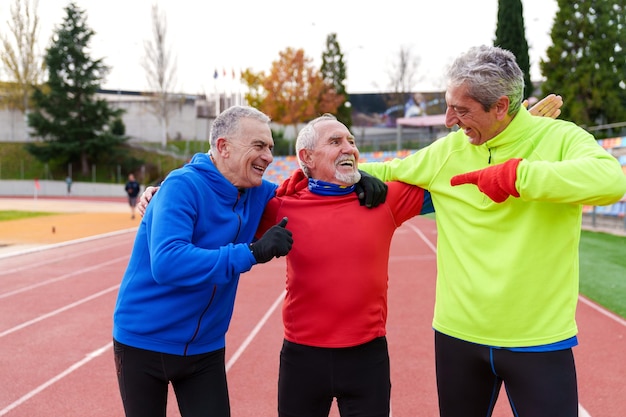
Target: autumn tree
(19,55)
(254,81)
(160,70)
(586,63)
(73,124)
(334,73)
(511,35)
(293,92)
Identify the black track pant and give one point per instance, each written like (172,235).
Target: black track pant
(469,376)
(310,377)
(199,382)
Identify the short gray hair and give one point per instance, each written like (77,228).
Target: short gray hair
(489,72)
(227,123)
(307,138)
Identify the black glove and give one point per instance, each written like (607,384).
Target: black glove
(276,242)
(370,190)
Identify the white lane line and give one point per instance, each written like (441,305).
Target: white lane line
(69,242)
(581,410)
(62,277)
(63,258)
(255,331)
(422,236)
(57,311)
(98,352)
(57,378)
(601,310)
(103,349)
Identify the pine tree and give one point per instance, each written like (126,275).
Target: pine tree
(334,73)
(586,63)
(511,35)
(74,125)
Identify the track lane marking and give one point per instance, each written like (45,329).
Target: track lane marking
(242,348)
(67,243)
(58,377)
(58,311)
(601,310)
(244,345)
(57,260)
(62,277)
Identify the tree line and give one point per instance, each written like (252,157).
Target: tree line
(586,65)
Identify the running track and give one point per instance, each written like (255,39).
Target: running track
(55,334)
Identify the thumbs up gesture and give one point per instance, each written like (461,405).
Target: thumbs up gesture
(276,242)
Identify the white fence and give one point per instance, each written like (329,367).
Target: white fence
(47,188)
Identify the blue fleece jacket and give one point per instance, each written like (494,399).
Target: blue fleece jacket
(178,292)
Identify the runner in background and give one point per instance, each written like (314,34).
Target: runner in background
(132,190)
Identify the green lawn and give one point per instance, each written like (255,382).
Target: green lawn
(603,270)
(16,215)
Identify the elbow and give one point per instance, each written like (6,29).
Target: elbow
(615,194)
(163,264)
(161,273)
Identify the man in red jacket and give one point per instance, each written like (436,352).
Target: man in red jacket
(335,310)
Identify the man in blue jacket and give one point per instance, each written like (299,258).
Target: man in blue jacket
(176,298)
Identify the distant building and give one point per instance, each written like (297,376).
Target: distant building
(192,116)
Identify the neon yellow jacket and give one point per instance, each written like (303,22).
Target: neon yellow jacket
(508,273)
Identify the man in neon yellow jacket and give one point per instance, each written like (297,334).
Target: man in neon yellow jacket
(508,191)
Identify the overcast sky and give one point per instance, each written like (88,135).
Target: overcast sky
(238,34)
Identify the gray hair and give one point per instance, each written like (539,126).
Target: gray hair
(489,72)
(307,138)
(226,124)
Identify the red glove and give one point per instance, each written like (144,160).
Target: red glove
(298,181)
(497,182)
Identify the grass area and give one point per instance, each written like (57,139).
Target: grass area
(603,270)
(16,215)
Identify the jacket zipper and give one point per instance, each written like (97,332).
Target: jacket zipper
(195,333)
(238,216)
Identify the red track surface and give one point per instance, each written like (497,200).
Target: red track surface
(55,334)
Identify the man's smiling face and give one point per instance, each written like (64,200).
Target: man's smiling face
(479,124)
(335,156)
(248,154)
